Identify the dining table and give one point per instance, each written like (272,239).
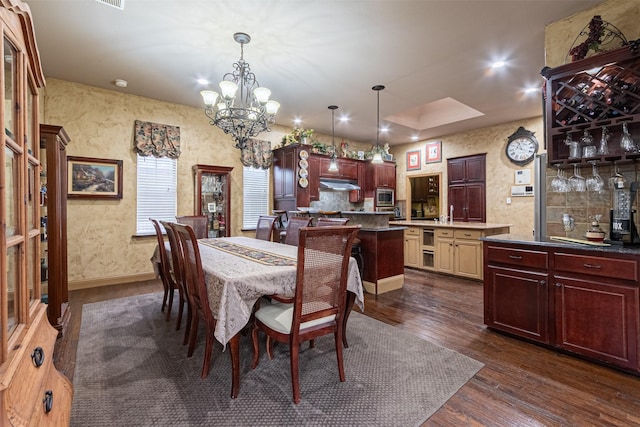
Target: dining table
(239,270)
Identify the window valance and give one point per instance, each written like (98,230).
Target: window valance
(157,140)
(257,153)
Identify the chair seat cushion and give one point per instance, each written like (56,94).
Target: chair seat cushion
(278,316)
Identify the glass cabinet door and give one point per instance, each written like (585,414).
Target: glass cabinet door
(213,198)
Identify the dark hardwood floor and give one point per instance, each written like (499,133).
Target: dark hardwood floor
(521,384)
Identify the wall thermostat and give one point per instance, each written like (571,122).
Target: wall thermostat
(521,190)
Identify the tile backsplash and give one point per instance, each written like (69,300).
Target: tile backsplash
(582,206)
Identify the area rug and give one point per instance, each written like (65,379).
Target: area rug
(132,370)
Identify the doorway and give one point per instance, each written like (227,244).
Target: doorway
(424,196)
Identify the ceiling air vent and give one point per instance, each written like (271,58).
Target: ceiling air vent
(118,4)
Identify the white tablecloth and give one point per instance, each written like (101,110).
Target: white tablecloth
(235,283)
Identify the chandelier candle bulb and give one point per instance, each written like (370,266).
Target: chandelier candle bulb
(209,96)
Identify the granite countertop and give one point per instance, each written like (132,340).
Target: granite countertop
(547,243)
(465,225)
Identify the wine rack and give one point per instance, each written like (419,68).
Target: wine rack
(602,91)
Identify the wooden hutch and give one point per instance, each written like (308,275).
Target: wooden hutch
(32,391)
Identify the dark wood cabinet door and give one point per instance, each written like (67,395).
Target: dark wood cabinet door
(475,168)
(467,191)
(475,203)
(456,171)
(515,301)
(458,199)
(314,178)
(598,320)
(289,168)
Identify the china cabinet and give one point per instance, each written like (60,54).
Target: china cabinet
(32,391)
(53,215)
(594,99)
(213,198)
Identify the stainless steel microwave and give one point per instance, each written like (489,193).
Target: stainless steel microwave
(385,197)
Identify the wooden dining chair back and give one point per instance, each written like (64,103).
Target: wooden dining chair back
(164,271)
(331,222)
(177,270)
(320,295)
(197,222)
(194,278)
(293,228)
(265,227)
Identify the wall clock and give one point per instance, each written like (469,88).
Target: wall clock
(522,147)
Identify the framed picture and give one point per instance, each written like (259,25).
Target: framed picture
(413,160)
(434,152)
(89,178)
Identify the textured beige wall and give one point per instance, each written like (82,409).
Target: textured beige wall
(101,246)
(500,171)
(560,35)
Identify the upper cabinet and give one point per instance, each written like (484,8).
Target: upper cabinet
(381,175)
(213,198)
(595,103)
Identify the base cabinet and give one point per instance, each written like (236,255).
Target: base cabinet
(573,300)
(412,247)
(459,252)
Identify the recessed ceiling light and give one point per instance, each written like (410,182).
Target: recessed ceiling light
(121,83)
(531,89)
(498,64)
(203,82)
(414,137)
(344,119)
(384,129)
(297,121)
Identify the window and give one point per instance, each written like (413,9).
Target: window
(255,186)
(156,183)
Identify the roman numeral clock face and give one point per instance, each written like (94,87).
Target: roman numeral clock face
(522,147)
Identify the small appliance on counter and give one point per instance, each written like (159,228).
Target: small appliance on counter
(623,229)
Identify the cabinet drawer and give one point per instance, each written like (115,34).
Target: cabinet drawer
(467,234)
(444,232)
(412,231)
(520,257)
(624,269)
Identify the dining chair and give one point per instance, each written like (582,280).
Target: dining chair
(197,222)
(165,271)
(177,270)
(194,278)
(331,222)
(319,302)
(265,227)
(293,227)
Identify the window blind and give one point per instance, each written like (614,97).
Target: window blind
(156,186)
(255,186)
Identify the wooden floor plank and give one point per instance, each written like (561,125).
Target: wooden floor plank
(521,384)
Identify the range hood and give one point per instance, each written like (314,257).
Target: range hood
(338,185)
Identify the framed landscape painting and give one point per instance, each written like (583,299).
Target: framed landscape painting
(89,178)
(413,160)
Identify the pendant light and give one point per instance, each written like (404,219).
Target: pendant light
(377,155)
(333,162)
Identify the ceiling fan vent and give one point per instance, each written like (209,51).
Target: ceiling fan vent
(118,4)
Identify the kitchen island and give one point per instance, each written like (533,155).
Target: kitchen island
(575,298)
(450,248)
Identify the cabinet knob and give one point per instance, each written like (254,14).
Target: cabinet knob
(37,356)
(558,285)
(48,401)
(543,282)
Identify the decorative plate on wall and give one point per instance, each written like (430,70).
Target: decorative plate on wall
(304,154)
(303,164)
(303,173)
(303,182)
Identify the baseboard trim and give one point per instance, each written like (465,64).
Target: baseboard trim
(107,281)
(384,285)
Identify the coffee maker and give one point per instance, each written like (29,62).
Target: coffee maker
(622,216)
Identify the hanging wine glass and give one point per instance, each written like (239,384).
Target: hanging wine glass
(559,183)
(617,179)
(588,145)
(595,182)
(603,149)
(626,142)
(577,182)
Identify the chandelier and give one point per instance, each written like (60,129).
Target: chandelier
(377,155)
(244,109)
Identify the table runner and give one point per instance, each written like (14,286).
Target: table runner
(258,255)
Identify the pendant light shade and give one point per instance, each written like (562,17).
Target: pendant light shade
(377,155)
(333,162)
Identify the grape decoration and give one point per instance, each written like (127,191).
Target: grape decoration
(600,33)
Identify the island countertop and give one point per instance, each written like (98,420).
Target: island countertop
(459,224)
